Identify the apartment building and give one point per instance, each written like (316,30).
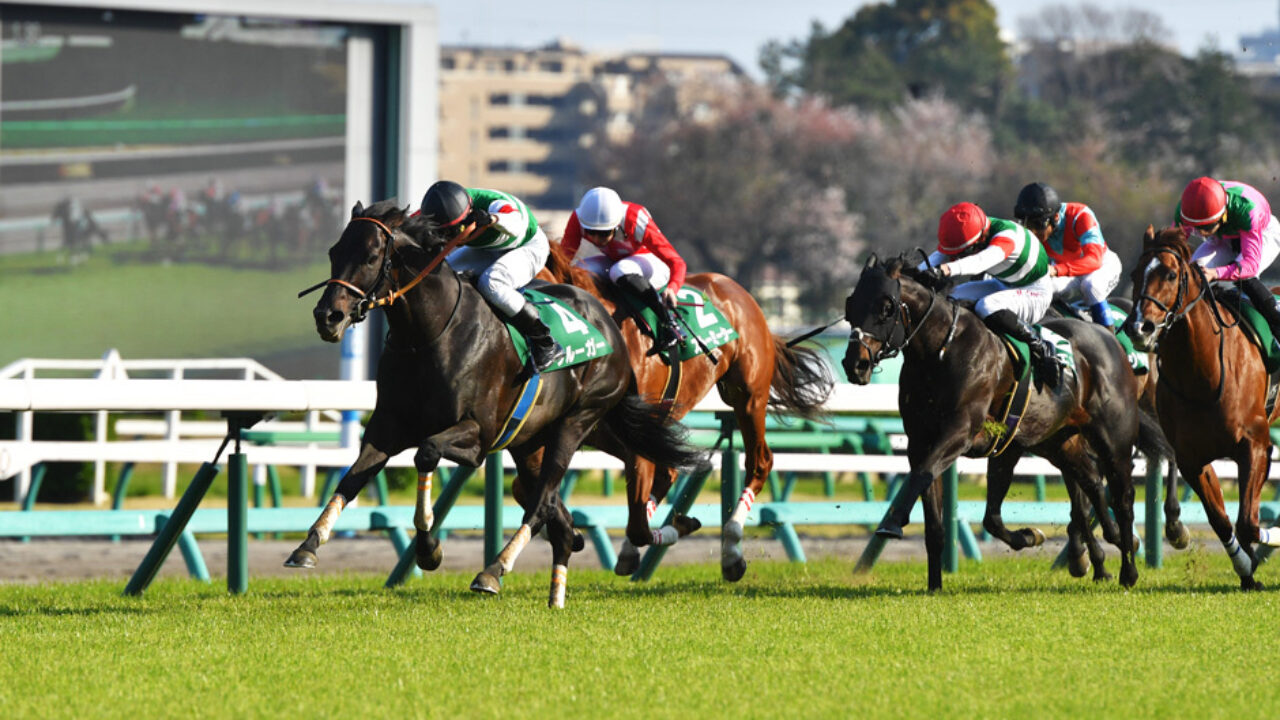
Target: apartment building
(524,120)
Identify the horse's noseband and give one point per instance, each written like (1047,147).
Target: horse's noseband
(1171,312)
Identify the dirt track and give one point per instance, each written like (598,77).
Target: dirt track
(46,560)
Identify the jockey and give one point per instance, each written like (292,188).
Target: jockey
(504,246)
(1019,289)
(1242,237)
(1081,266)
(635,255)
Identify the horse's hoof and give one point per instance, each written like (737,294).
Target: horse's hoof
(301,559)
(686,525)
(1177,535)
(734,571)
(1078,565)
(1129,576)
(428,558)
(627,564)
(1101,576)
(486,583)
(1037,537)
(889,530)
(579,542)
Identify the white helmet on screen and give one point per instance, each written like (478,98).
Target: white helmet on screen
(601,209)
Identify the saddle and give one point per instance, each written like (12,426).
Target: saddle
(1256,328)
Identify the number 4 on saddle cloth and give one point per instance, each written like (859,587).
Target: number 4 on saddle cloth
(695,314)
(581,340)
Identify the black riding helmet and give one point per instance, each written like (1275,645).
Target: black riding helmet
(446,204)
(1037,203)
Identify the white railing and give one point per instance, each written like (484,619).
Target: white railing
(111,367)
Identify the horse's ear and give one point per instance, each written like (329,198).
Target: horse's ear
(872,261)
(359,208)
(1150,235)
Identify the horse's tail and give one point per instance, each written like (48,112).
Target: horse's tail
(647,430)
(802,381)
(1151,438)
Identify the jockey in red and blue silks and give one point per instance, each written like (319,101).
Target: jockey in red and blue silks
(1081,266)
(1242,237)
(635,255)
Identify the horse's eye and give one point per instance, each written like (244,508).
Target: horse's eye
(1169,275)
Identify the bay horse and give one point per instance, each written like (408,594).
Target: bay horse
(1151,438)
(450,376)
(1211,397)
(955,375)
(754,373)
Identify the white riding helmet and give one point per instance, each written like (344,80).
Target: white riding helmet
(601,209)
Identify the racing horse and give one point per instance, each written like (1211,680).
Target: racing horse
(754,373)
(450,377)
(1211,397)
(1151,439)
(955,376)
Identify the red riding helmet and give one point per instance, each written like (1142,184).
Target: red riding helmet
(1203,202)
(961,225)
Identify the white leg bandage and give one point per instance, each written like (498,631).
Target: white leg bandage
(559,578)
(1269,536)
(650,507)
(422,515)
(1239,558)
(507,558)
(744,507)
(328,517)
(666,536)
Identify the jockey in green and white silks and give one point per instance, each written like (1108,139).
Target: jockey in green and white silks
(1017,292)
(504,247)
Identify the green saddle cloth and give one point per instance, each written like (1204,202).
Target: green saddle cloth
(581,340)
(1259,331)
(1020,352)
(697,314)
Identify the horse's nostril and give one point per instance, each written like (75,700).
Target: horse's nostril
(1147,327)
(335,317)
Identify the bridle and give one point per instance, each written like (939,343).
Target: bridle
(368,299)
(901,321)
(1171,317)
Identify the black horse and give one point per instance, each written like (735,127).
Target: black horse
(450,377)
(955,375)
(79,227)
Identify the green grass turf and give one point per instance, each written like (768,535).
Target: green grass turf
(1005,638)
(149,310)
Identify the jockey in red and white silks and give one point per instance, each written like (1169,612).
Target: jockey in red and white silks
(635,255)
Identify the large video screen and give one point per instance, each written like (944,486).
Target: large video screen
(167,183)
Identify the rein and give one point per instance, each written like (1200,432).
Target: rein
(1171,318)
(900,320)
(369,299)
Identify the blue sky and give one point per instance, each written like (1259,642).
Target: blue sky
(738,28)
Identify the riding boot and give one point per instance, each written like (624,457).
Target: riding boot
(1101,314)
(543,349)
(1004,322)
(668,334)
(1264,302)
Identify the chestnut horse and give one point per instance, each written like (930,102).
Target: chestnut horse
(1211,397)
(955,374)
(450,378)
(755,373)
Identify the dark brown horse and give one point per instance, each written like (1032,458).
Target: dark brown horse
(1151,439)
(450,377)
(955,374)
(1211,397)
(755,373)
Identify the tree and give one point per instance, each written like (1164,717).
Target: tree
(747,184)
(908,49)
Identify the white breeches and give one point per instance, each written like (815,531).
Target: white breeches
(503,272)
(1029,302)
(646,264)
(1093,288)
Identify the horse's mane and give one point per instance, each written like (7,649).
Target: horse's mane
(562,270)
(904,266)
(1173,238)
